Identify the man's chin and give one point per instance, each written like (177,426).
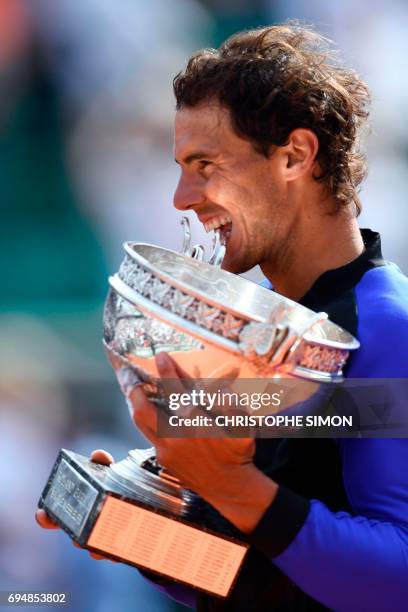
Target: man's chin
(234,265)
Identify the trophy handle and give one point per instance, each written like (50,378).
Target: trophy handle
(186,248)
(294,337)
(197,251)
(218,252)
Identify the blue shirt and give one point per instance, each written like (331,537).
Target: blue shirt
(358,559)
(336,535)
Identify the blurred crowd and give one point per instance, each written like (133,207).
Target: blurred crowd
(86,162)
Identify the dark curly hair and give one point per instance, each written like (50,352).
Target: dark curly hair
(278,78)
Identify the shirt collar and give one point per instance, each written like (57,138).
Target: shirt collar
(339,280)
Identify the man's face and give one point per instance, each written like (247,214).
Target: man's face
(228,184)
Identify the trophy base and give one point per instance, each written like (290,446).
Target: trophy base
(135,513)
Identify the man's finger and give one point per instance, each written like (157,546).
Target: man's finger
(93,554)
(181,373)
(128,379)
(44,520)
(144,414)
(98,557)
(101,456)
(170,381)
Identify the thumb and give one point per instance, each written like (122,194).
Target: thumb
(170,381)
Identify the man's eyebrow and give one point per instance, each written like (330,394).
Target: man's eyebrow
(198,155)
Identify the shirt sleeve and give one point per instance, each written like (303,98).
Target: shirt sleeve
(348,562)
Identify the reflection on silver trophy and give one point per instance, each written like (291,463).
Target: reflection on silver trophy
(210,321)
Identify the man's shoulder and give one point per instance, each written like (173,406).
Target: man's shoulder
(382,294)
(382,308)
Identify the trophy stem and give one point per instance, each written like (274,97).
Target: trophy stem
(140,473)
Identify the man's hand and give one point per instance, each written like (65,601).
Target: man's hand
(98,456)
(221,470)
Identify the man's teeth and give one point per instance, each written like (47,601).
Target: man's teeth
(216,223)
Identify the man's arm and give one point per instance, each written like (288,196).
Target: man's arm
(346,562)
(349,562)
(337,558)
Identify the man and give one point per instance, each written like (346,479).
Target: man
(266,135)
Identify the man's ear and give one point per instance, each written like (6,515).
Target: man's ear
(301,151)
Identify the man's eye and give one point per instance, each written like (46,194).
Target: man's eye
(203,163)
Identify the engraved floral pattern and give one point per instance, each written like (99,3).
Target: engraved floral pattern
(255,340)
(320,358)
(158,291)
(231,326)
(206,315)
(180,302)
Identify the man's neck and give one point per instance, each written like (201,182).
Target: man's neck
(333,242)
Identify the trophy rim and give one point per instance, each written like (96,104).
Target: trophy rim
(182,286)
(169,318)
(350,343)
(286,366)
(285,337)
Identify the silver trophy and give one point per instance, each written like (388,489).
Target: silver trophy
(208,320)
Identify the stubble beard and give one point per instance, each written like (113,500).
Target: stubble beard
(276,259)
(280,256)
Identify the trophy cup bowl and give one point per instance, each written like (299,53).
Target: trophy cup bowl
(161,300)
(205,318)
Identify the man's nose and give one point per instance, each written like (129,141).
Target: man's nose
(189,193)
